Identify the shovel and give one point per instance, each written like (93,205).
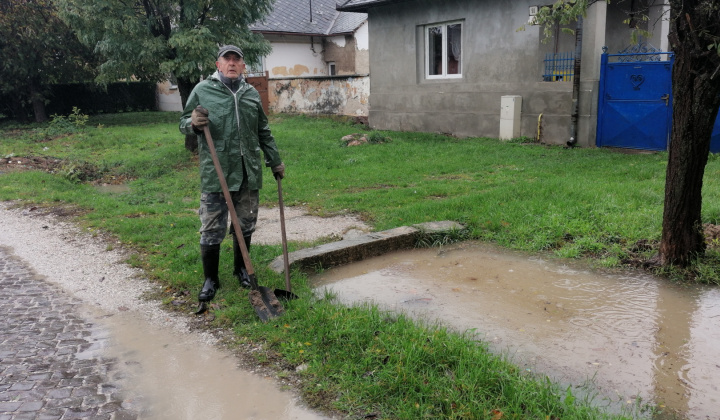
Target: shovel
(262,299)
(284,294)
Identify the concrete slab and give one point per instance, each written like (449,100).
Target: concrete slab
(360,247)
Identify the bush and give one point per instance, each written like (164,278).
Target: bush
(60,125)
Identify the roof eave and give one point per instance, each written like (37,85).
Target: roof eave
(300,33)
(363,8)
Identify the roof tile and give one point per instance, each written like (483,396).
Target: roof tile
(293,16)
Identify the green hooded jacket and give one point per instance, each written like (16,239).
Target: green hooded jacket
(239,129)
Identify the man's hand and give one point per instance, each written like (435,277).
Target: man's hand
(279,171)
(199,118)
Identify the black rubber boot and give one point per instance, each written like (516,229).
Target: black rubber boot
(240,271)
(210,255)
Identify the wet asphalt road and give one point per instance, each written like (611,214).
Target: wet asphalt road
(50,363)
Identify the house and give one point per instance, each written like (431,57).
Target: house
(319,61)
(464,68)
(167,97)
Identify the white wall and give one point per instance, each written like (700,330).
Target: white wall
(362,37)
(168,98)
(337,40)
(295,59)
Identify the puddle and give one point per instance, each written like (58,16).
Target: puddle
(629,335)
(168,376)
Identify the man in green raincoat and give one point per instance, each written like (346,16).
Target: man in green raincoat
(231,108)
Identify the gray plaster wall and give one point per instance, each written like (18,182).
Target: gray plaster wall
(497,59)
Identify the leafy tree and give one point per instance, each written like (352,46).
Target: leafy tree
(695,39)
(37,49)
(155,39)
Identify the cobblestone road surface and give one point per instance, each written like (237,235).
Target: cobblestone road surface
(50,366)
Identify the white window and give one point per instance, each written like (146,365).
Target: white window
(443,50)
(331,68)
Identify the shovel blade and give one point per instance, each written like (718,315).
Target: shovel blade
(265,303)
(284,295)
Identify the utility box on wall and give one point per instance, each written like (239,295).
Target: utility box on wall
(510,107)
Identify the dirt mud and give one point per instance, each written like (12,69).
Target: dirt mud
(626,337)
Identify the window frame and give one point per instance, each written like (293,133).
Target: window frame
(444,54)
(256,69)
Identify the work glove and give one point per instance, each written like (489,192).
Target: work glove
(279,171)
(199,118)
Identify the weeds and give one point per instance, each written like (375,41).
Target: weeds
(60,125)
(377,138)
(79,171)
(432,240)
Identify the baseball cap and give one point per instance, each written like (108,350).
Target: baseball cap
(229,48)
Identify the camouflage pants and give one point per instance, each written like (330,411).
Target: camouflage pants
(214,214)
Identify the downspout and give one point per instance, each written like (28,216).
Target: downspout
(576,83)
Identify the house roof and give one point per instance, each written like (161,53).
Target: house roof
(294,17)
(363,5)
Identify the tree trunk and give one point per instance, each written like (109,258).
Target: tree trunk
(695,107)
(185,86)
(19,113)
(38,101)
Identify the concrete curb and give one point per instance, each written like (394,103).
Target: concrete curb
(361,247)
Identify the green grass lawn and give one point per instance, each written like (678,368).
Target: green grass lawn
(595,204)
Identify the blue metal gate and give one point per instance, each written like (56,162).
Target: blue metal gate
(635,101)
(715,138)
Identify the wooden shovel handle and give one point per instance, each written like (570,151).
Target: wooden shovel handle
(228,200)
(284,237)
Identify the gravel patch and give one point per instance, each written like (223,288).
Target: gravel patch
(301,227)
(90,268)
(83,264)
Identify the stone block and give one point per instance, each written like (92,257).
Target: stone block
(361,247)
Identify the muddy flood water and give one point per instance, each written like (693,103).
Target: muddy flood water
(171,376)
(622,336)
